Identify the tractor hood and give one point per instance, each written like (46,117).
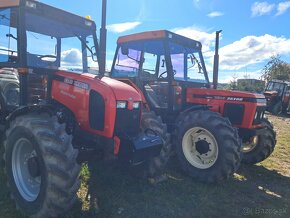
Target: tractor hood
(237,96)
(271,93)
(121,90)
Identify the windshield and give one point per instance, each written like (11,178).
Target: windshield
(58,45)
(187,63)
(51,42)
(8,33)
(148,60)
(274,86)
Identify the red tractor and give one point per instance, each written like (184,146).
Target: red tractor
(55,111)
(206,124)
(277,94)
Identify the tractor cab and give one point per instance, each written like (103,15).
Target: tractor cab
(37,40)
(163,64)
(34,35)
(170,71)
(277,93)
(277,88)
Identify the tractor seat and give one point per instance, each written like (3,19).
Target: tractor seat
(153,98)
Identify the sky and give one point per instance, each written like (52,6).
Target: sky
(253,31)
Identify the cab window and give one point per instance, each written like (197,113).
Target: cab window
(8,36)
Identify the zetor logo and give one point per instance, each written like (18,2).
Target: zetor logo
(81,85)
(68,81)
(76,83)
(234,99)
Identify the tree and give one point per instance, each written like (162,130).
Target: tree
(233,83)
(251,85)
(276,69)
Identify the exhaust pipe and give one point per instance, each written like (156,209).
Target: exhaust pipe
(103,40)
(216,60)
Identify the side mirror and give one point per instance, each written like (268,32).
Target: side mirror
(125,50)
(94,53)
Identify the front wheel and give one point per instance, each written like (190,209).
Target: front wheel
(207,146)
(261,146)
(157,164)
(41,165)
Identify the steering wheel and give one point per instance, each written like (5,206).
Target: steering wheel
(161,75)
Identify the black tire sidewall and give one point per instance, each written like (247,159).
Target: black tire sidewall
(264,147)
(3,104)
(14,136)
(277,108)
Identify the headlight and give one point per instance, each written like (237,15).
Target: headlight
(136,105)
(121,104)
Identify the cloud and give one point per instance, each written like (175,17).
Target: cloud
(215,14)
(227,77)
(122,27)
(207,39)
(247,54)
(252,50)
(261,8)
(282,8)
(71,58)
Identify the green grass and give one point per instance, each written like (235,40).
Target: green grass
(262,190)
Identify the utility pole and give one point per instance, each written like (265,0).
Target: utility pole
(103,39)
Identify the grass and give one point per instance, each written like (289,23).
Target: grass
(261,190)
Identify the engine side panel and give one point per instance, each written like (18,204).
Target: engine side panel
(74,92)
(241,108)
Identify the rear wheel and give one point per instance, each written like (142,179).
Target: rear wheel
(157,164)
(207,146)
(41,165)
(260,146)
(286,109)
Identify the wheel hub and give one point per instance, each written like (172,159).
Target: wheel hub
(33,167)
(202,146)
(26,169)
(250,145)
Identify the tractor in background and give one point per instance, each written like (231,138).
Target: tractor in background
(211,129)
(55,111)
(277,93)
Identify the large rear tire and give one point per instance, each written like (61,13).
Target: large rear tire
(207,146)
(157,165)
(260,146)
(41,165)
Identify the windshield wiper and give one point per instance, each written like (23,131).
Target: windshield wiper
(198,63)
(11,36)
(4,17)
(85,43)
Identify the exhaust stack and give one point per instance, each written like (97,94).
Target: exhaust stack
(103,40)
(216,61)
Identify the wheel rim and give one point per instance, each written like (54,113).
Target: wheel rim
(200,148)
(12,97)
(249,146)
(25,169)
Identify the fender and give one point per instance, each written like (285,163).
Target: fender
(195,108)
(29,109)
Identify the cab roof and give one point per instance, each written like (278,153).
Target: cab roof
(9,3)
(44,10)
(159,34)
(281,81)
